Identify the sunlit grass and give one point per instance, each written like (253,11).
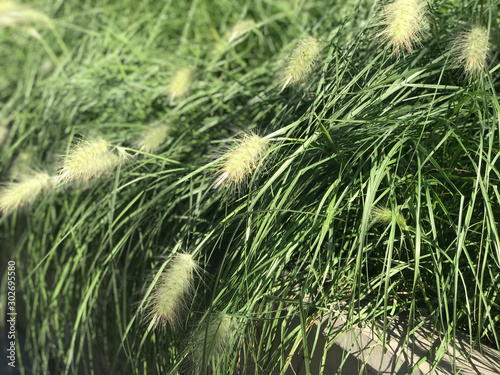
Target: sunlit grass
(409,137)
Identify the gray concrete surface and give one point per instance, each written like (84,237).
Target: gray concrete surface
(361,351)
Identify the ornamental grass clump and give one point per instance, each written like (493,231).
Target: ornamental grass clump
(301,61)
(169,299)
(472,49)
(20,193)
(239,162)
(89,158)
(383,215)
(153,138)
(280,222)
(181,84)
(210,342)
(404,24)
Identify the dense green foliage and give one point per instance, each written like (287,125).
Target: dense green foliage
(365,129)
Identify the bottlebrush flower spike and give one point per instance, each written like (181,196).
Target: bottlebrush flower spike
(233,36)
(153,137)
(89,158)
(404,24)
(383,215)
(181,83)
(240,29)
(210,343)
(472,49)
(174,286)
(239,162)
(18,194)
(301,61)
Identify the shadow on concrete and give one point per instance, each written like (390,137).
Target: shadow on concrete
(353,350)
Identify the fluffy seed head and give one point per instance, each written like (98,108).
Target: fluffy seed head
(210,343)
(18,194)
(383,215)
(301,61)
(240,29)
(404,24)
(14,15)
(173,287)
(239,162)
(471,50)
(181,83)
(233,36)
(87,159)
(153,138)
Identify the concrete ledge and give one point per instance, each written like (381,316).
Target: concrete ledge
(360,351)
